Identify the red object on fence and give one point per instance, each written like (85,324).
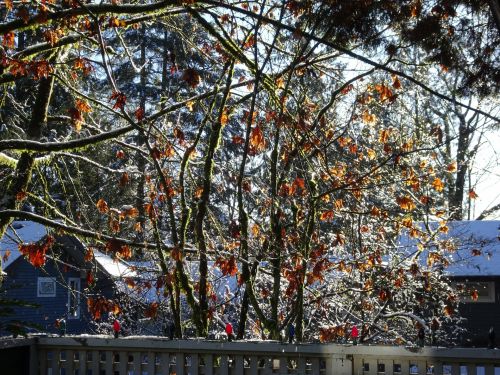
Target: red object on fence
(116,326)
(354,332)
(229,329)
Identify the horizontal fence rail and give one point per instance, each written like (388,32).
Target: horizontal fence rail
(99,355)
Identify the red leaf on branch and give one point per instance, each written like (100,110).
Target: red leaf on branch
(257,141)
(118,248)
(102,206)
(473,194)
(90,278)
(36,251)
(228,267)
(152,310)
(191,77)
(9,40)
(120,98)
(139,114)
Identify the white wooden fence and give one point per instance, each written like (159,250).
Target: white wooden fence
(97,355)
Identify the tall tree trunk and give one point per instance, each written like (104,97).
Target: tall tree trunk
(141,162)
(457,198)
(495,12)
(306,241)
(19,183)
(208,168)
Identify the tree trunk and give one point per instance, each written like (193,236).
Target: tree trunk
(457,198)
(19,183)
(208,167)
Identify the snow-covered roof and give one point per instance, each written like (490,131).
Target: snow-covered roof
(29,231)
(476,244)
(114,268)
(19,232)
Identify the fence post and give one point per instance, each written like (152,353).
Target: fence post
(34,358)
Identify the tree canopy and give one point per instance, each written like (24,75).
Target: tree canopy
(284,144)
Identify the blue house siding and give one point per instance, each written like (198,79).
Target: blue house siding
(22,283)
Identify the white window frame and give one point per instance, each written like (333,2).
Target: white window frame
(490,298)
(74,293)
(46,280)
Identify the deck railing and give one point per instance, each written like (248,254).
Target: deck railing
(96,355)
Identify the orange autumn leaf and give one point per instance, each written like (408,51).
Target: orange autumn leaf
(100,305)
(118,248)
(21,196)
(24,14)
(102,206)
(257,140)
(474,295)
(406,203)
(198,192)
(224,118)
(40,69)
(228,267)
(452,167)
(368,118)
(448,310)
(6,255)
(89,254)
(438,184)
(383,136)
(125,252)
(176,254)
(299,183)
(36,251)
(128,212)
(116,22)
(82,106)
(371,154)
(326,215)
(385,93)
(138,227)
(416,9)
(9,40)
(473,194)
(120,99)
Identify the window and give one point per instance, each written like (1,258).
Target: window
(46,287)
(476,291)
(73,298)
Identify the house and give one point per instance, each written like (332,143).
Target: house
(474,271)
(60,286)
